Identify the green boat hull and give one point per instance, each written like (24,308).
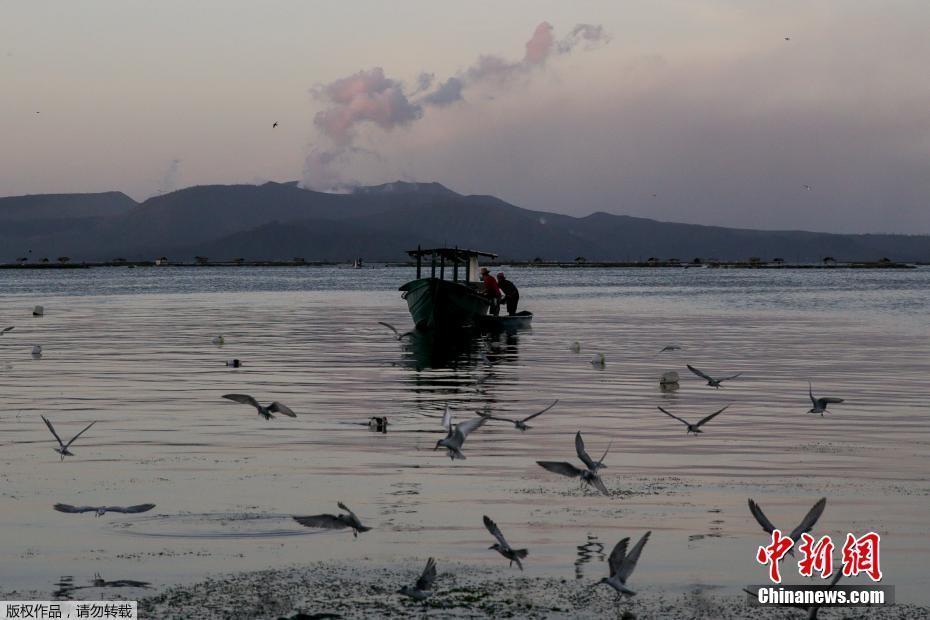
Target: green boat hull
(440,304)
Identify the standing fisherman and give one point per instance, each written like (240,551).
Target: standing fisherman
(511,293)
(492,291)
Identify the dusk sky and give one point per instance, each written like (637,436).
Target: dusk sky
(675,110)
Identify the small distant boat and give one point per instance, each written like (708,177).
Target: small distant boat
(357,263)
(437,303)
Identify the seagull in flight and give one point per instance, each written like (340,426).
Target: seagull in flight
(670,347)
(820,404)
(334,522)
(265,412)
(7,329)
(101,510)
(501,546)
(694,428)
(714,383)
(588,475)
(397,334)
(622,564)
(454,440)
(274,125)
(519,424)
(803,527)
(810,609)
(423,588)
(62,448)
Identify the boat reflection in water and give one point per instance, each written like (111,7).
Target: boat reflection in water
(462,349)
(467,368)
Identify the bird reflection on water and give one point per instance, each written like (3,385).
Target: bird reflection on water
(593,549)
(65,585)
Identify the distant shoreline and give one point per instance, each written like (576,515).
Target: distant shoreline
(519,264)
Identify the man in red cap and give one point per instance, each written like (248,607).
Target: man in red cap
(491,290)
(511,293)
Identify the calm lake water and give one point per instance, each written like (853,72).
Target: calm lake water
(132,349)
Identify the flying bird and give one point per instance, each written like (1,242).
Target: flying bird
(714,383)
(265,412)
(334,522)
(820,404)
(7,329)
(670,347)
(803,527)
(810,609)
(694,428)
(501,546)
(397,334)
(457,434)
(622,564)
(62,448)
(787,38)
(274,125)
(807,187)
(588,475)
(519,424)
(101,510)
(423,588)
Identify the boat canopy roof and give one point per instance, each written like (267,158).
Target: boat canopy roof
(456,254)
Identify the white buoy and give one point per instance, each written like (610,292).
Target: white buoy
(38,311)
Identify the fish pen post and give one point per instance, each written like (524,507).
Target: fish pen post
(432,264)
(455,266)
(419,262)
(442,266)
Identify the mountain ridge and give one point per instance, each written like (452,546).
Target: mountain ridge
(380,222)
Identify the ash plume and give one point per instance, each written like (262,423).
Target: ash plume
(370,97)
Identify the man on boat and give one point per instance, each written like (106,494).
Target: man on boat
(511,293)
(492,291)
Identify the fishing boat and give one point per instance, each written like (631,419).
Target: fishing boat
(438,303)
